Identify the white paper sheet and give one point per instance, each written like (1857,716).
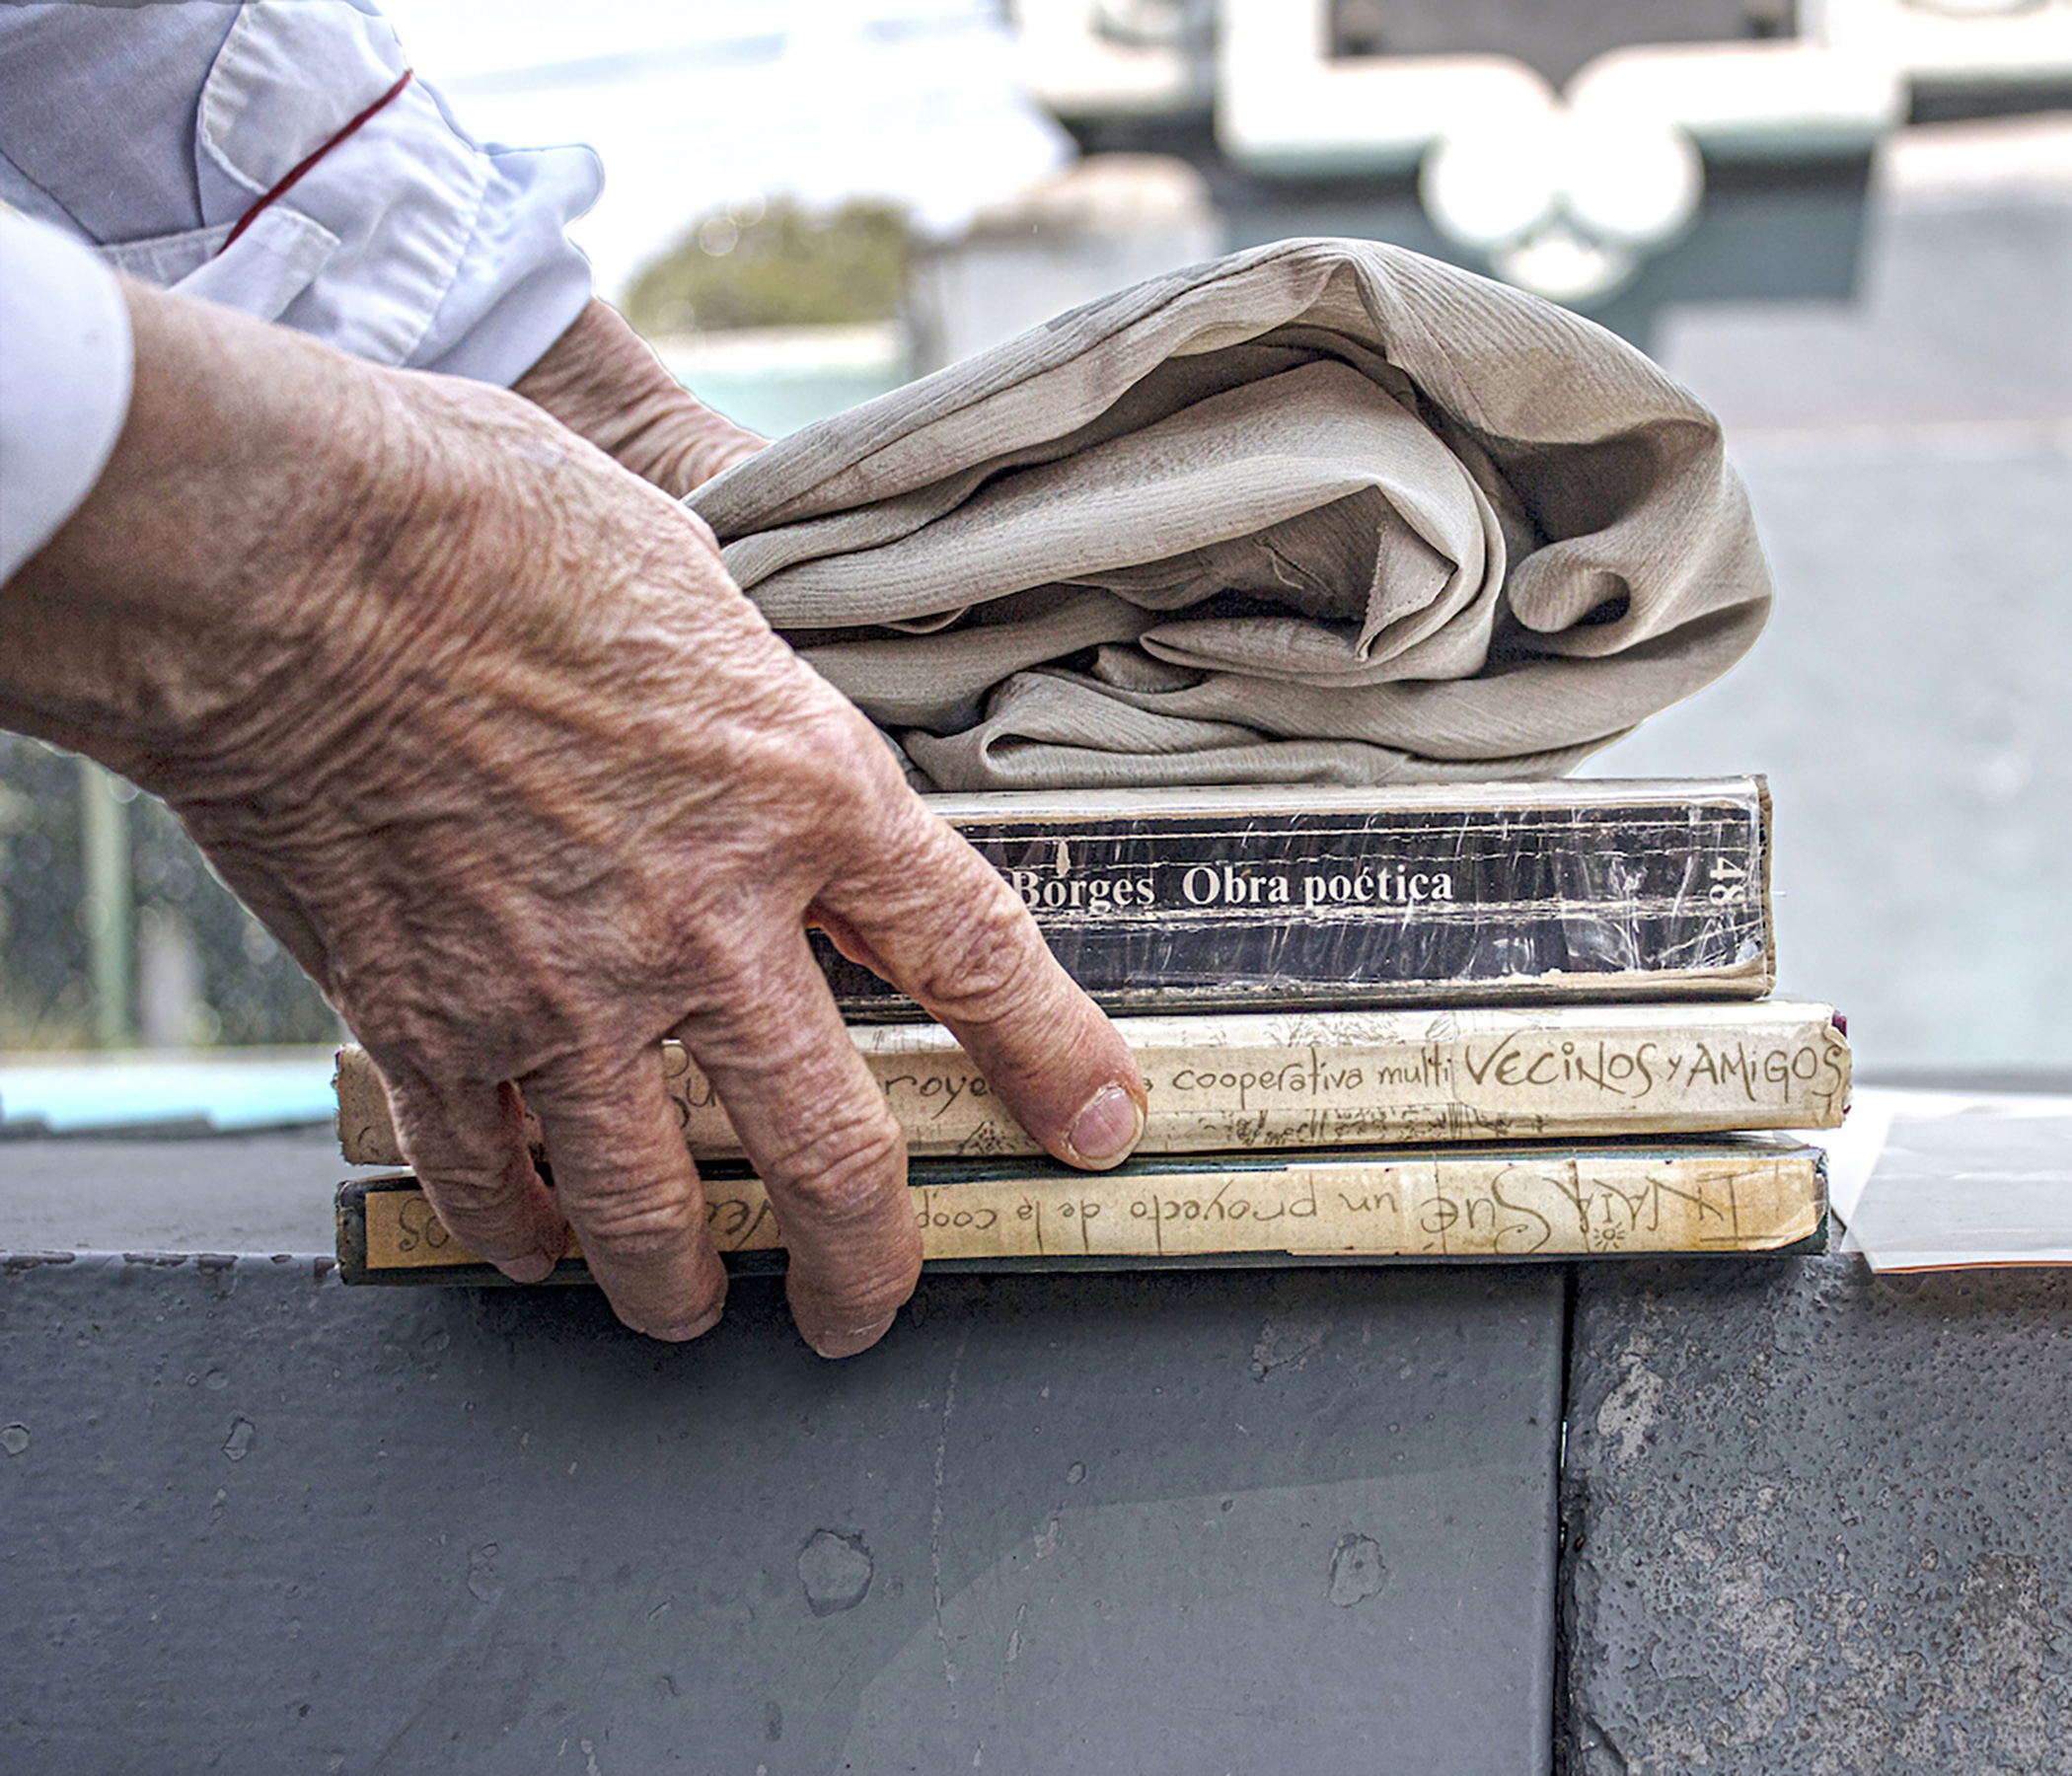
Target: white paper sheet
(1930,1180)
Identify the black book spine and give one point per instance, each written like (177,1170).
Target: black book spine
(1384,905)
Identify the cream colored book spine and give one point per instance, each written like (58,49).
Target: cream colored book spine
(1756,1193)
(1253,1082)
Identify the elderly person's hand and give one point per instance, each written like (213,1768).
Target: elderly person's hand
(475,722)
(602,380)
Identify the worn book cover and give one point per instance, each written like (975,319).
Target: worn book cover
(1332,1079)
(1456,894)
(1528,1201)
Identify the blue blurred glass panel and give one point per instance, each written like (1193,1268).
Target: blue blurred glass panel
(84,1092)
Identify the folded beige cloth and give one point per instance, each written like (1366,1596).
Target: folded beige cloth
(1324,511)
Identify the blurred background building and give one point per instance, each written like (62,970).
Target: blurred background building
(1846,224)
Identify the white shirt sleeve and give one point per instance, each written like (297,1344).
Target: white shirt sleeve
(407,243)
(64,381)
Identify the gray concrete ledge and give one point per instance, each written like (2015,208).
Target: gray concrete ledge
(255,1521)
(129,1193)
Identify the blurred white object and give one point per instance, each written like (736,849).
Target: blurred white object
(693,104)
(1990,41)
(1565,202)
(1566,193)
(1115,57)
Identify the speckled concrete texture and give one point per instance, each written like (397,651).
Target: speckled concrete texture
(1817,1522)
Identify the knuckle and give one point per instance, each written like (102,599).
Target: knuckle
(732,968)
(833,738)
(981,967)
(470,1193)
(842,754)
(460,1146)
(839,1175)
(635,1221)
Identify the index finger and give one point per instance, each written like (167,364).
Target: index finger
(940,923)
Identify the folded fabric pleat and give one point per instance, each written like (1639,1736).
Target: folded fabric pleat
(1324,511)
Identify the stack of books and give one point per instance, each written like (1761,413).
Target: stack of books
(1490,1021)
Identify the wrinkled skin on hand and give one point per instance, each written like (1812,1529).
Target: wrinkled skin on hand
(477,723)
(602,381)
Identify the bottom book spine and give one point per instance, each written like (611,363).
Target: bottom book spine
(1519,1203)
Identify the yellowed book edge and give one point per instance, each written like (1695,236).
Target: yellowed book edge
(1756,1193)
(1260,1083)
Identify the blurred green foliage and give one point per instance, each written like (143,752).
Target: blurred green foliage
(246,988)
(777,265)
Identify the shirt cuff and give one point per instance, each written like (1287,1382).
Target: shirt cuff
(405,240)
(521,282)
(65,364)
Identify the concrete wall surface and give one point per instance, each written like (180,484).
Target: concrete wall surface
(1817,1522)
(1810,1520)
(255,1521)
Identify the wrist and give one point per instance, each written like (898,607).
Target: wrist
(604,382)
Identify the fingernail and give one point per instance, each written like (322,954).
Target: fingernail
(1105,1131)
(536,1268)
(846,1340)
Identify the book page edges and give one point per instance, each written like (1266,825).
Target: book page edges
(1356,1078)
(1537,1204)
